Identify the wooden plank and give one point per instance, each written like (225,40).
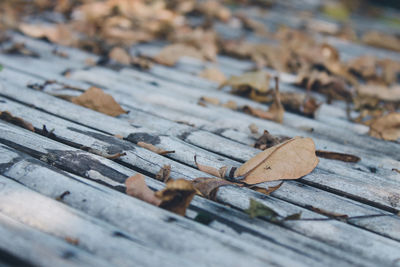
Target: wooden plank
(344,184)
(30,247)
(229,195)
(143,220)
(54,218)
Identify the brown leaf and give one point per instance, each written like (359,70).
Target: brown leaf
(137,187)
(210,170)
(120,55)
(383,93)
(268,140)
(300,104)
(275,111)
(328,213)
(253,128)
(230,104)
(386,127)
(71,240)
(59,34)
(96,99)
(208,187)
(337,156)
(382,40)
(170,54)
(213,74)
(176,196)
(164,173)
(154,149)
(266,191)
(396,170)
(289,160)
(7,116)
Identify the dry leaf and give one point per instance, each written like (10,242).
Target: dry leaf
(328,213)
(96,99)
(211,100)
(7,116)
(268,140)
(253,128)
(382,40)
(258,81)
(337,156)
(386,127)
(383,93)
(176,196)
(208,187)
(209,169)
(154,149)
(71,240)
(137,187)
(164,173)
(119,55)
(213,74)
(289,160)
(59,34)
(275,111)
(170,54)
(258,209)
(300,104)
(231,105)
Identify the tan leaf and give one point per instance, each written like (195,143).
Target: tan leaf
(266,191)
(208,187)
(230,104)
(213,74)
(386,127)
(388,94)
(289,160)
(119,55)
(96,99)
(383,40)
(154,149)
(211,100)
(337,156)
(170,54)
(176,196)
(137,187)
(300,103)
(208,169)
(7,116)
(253,128)
(59,34)
(258,80)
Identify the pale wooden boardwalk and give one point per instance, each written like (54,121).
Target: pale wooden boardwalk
(93,224)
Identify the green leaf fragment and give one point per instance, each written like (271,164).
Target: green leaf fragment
(257,209)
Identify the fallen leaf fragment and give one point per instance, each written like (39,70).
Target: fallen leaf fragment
(71,240)
(208,187)
(137,187)
(170,54)
(94,98)
(383,93)
(253,128)
(258,209)
(176,196)
(7,116)
(164,173)
(386,127)
(154,149)
(119,55)
(258,81)
(266,191)
(213,74)
(382,40)
(211,100)
(328,213)
(337,156)
(268,140)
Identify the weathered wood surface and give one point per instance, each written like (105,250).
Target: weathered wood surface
(163,106)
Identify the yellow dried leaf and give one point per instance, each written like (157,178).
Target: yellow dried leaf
(258,80)
(96,99)
(170,54)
